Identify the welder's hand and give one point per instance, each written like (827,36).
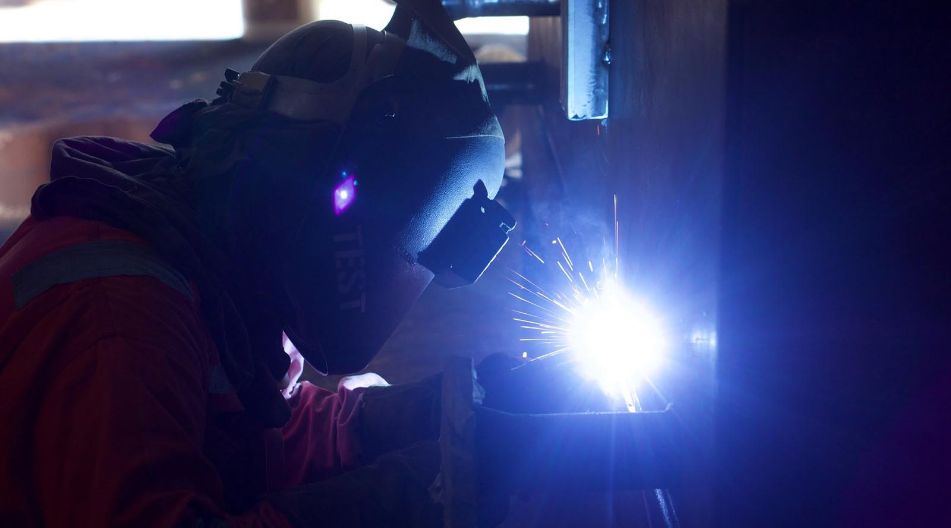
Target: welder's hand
(288,385)
(393,492)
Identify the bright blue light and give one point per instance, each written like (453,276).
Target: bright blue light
(704,339)
(616,341)
(344,195)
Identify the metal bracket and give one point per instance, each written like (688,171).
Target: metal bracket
(586,51)
(586,57)
(488,453)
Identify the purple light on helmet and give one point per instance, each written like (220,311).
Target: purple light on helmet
(344,194)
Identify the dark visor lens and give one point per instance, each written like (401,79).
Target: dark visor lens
(470,241)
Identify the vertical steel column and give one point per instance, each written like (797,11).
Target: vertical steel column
(586,56)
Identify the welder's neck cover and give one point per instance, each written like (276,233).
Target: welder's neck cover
(414,149)
(140,188)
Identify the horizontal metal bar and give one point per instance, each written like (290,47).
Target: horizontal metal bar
(582,451)
(514,82)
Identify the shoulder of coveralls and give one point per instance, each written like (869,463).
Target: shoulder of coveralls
(80,313)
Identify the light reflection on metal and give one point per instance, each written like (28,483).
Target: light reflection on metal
(704,339)
(586,57)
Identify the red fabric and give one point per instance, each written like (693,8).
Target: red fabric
(320,439)
(105,417)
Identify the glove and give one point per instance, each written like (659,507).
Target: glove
(393,492)
(397,416)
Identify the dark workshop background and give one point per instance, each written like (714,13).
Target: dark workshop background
(782,174)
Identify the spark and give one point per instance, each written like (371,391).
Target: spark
(532,253)
(565,272)
(588,316)
(584,282)
(564,252)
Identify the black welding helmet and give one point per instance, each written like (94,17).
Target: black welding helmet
(409,192)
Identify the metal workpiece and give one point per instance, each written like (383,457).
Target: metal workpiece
(457,486)
(481,8)
(577,451)
(586,50)
(586,59)
(488,454)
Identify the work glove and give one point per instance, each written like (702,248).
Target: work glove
(392,492)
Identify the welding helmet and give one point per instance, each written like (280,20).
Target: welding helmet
(408,192)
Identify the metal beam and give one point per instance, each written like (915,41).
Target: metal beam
(586,56)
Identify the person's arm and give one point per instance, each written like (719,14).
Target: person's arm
(120,428)
(332,432)
(322,438)
(395,490)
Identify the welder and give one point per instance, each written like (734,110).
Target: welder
(144,303)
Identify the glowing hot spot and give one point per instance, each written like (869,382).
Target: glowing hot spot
(344,195)
(616,341)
